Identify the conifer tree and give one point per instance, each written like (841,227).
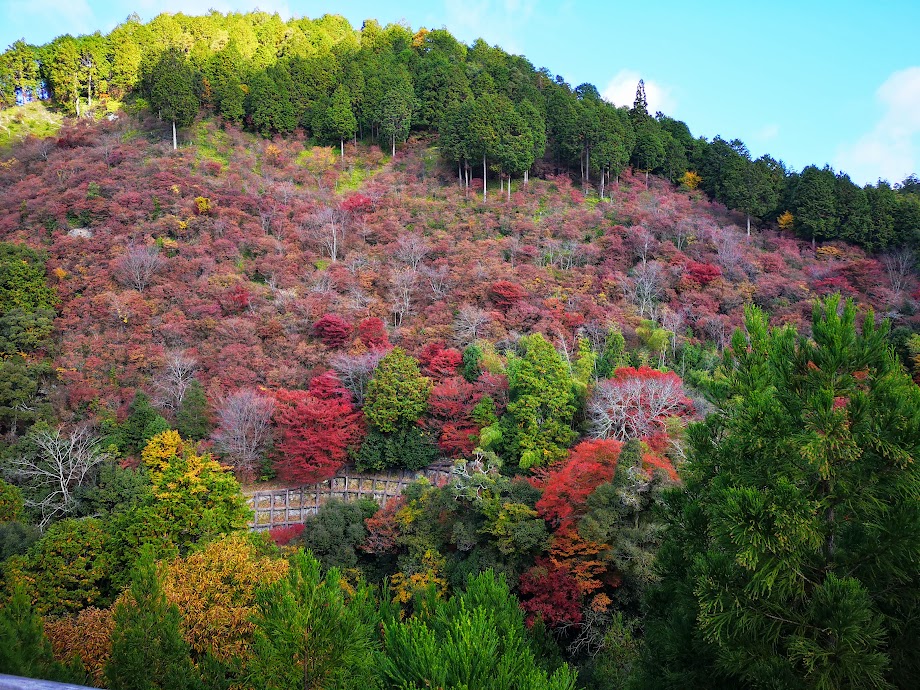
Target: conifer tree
(172,90)
(192,417)
(148,651)
(25,651)
(791,558)
(308,636)
(536,430)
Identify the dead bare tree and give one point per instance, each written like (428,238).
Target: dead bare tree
(243,428)
(439,280)
(355,371)
(899,265)
(61,463)
(411,249)
(137,266)
(326,227)
(402,286)
(469,323)
(634,407)
(643,287)
(175,379)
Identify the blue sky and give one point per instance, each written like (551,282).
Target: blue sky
(808,82)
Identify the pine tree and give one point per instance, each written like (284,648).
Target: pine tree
(307,636)
(148,651)
(790,560)
(25,651)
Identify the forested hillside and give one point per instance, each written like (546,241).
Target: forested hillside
(295,248)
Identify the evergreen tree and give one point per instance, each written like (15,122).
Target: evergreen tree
(172,90)
(397,395)
(536,429)
(192,419)
(790,560)
(308,636)
(340,120)
(25,651)
(396,113)
(148,651)
(142,424)
(815,204)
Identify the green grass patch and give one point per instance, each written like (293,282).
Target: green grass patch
(210,143)
(31,119)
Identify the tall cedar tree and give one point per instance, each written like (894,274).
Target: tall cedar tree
(791,558)
(172,90)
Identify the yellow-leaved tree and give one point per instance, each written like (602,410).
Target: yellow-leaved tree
(215,591)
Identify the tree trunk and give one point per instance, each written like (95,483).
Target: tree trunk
(603,174)
(509,187)
(342,147)
(394,145)
(175,146)
(748,224)
(89,97)
(526,177)
(646,179)
(483,177)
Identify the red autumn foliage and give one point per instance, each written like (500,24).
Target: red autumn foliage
(282,536)
(383,528)
(439,361)
(550,593)
(373,333)
(702,273)
(449,408)
(333,330)
(505,294)
(356,202)
(590,464)
(315,428)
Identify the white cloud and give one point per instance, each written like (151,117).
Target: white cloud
(621,90)
(891,149)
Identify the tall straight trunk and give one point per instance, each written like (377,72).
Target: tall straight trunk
(509,187)
(603,174)
(483,177)
(646,179)
(89,97)
(526,177)
(460,173)
(748,224)
(175,146)
(588,165)
(393,138)
(342,147)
